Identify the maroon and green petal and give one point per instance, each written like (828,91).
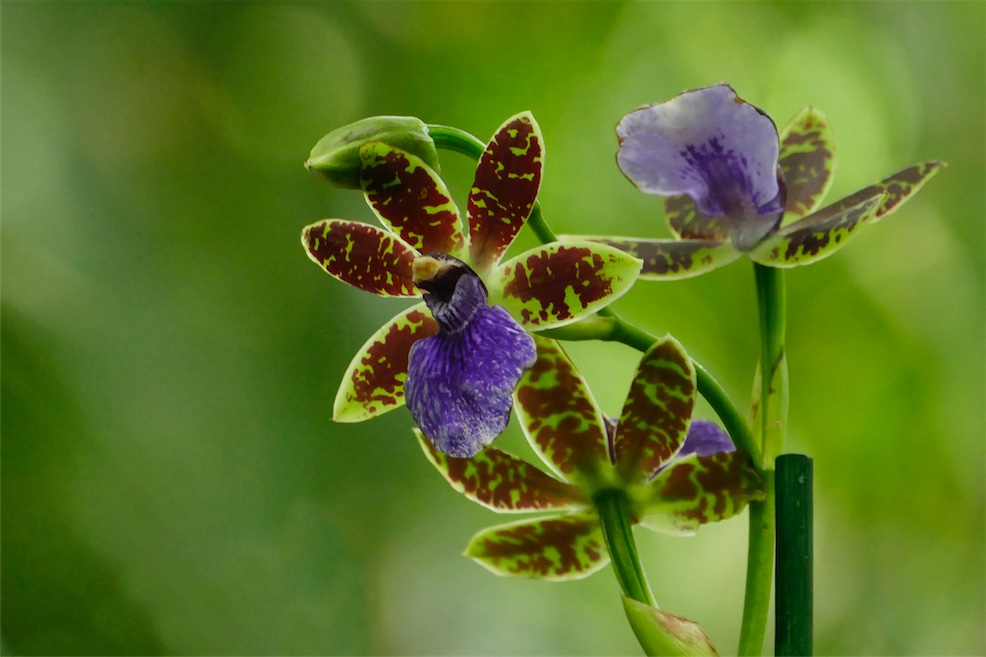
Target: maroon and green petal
(554,548)
(818,235)
(502,482)
(898,188)
(807,159)
(374,382)
(410,199)
(507,180)
(559,283)
(362,255)
(561,419)
(687,223)
(668,260)
(657,411)
(697,490)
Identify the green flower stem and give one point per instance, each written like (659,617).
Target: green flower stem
(759,564)
(771,414)
(614,516)
(457,141)
(793,611)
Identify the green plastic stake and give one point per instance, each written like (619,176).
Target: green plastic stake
(794,556)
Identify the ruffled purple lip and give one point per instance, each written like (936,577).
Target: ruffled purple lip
(460,381)
(716,148)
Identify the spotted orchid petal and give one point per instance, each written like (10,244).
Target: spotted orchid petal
(557,284)
(821,234)
(374,382)
(807,158)
(362,255)
(460,381)
(507,180)
(502,482)
(657,411)
(554,548)
(561,419)
(817,236)
(716,148)
(696,490)
(668,260)
(410,199)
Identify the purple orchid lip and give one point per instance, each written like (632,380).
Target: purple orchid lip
(716,148)
(460,381)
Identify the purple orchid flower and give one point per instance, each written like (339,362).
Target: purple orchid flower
(734,185)
(716,148)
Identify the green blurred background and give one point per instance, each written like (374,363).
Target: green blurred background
(172,481)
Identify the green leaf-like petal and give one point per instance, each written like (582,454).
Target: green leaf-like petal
(697,489)
(668,260)
(364,256)
(507,180)
(554,548)
(502,482)
(559,283)
(687,223)
(561,419)
(898,187)
(807,158)
(410,199)
(657,411)
(818,235)
(661,633)
(374,382)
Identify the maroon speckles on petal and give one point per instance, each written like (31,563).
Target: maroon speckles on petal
(410,198)
(553,279)
(364,256)
(506,185)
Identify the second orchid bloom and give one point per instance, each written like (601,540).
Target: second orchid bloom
(676,473)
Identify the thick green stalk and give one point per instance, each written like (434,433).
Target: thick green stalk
(794,604)
(614,516)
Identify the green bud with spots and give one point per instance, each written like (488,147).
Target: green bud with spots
(335,158)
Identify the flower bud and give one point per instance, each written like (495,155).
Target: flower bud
(335,158)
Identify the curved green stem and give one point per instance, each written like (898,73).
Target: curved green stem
(759,565)
(614,516)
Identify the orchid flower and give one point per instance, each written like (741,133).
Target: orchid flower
(459,354)
(676,473)
(734,185)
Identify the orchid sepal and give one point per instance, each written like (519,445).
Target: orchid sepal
(558,548)
(560,283)
(374,381)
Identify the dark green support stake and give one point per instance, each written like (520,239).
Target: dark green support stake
(793,610)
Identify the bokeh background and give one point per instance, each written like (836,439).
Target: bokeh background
(172,481)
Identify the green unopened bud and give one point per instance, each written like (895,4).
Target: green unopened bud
(335,158)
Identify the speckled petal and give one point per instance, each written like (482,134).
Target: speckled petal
(507,180)
(697,489)
(553,548)
(362,255)
(502,482)
(559,283)
(374,382)
(807,159)
(713,146)
(561,419)
(410,199)
(657,411)
(669,260)
(459,385)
